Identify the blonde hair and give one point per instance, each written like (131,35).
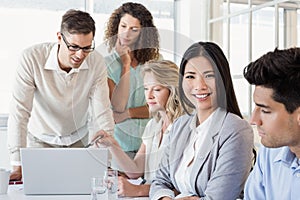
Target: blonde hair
(166,73)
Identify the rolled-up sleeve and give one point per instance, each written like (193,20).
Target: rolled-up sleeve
(100,103)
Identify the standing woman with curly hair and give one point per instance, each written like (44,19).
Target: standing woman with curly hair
(132,40)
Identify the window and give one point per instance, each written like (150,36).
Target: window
(246,32)
(25,23)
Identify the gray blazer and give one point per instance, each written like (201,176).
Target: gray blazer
(221,170)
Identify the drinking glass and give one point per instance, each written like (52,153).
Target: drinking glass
(111,179)
(99,189)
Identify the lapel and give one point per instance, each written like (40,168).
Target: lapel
(182,139)
(180,142)
(215,127)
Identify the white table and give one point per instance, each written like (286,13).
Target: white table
(15,192)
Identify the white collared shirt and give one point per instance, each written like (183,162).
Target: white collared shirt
(197,139)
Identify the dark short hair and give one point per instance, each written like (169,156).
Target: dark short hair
(278,70)
(77,22)
(147,45)
(226,97)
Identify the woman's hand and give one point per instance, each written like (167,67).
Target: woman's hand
(106,139)
(127,189)
(124,53)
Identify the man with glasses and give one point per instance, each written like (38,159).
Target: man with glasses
(59,89)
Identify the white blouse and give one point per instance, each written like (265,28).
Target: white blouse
(198,137)
(154,151)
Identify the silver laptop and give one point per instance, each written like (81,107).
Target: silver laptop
(61,170)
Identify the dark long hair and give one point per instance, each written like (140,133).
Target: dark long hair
(147,45)
(226,97)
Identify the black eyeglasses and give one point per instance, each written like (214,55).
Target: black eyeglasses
(77,48)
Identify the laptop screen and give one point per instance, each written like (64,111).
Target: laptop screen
(61,170)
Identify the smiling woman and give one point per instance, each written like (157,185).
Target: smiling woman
(201,153)
(199,86)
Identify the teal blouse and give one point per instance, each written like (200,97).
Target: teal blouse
(129,132)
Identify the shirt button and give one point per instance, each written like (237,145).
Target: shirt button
(298,175)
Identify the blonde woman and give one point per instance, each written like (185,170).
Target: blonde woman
(161,91)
